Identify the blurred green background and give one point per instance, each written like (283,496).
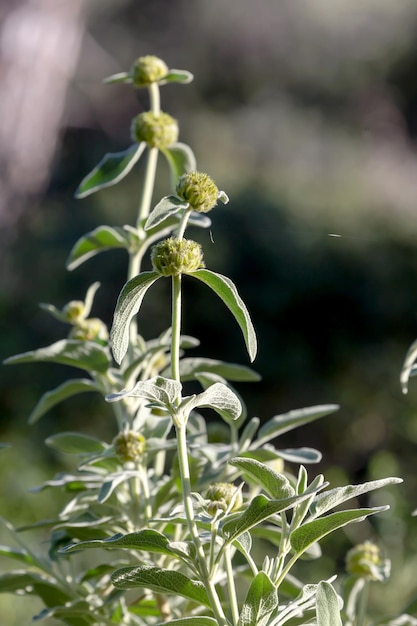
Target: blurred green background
(305,113)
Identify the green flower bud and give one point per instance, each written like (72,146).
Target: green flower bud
(90,329)
(129,446)
(199,190)
(365,561)
(158,131)
(220,497)
(74,311)
(148,69)
(172,257)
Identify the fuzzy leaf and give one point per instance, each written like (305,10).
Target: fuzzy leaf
(83,354)
(300,455)
(330,499)
(55,396)
(168,206)
(177,76)
(407,368)
(120,77)
(276,485)
(310,532)
(158,389)
(218,397)
(98,240)
(181,160)
(260,601)
(328,613)
(17,553)
(190,621)
(227,292)
(146,539)
(128,304)
(112,168)
(160,580)
(75,443)
(281,424)
(230,371)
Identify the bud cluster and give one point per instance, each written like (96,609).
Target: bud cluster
(129,446)
(172,257)
(221,496)
(158,131)
(147,70)
(365,561)
(199,190)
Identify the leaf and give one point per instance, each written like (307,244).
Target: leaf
(230,371)
(332,498)
(98,240)
(112,168)
(261,600)
(75,443)
(310,532)
(177,76)
(55,396)
(407,367)
(328,613)
(218,397)
(128,304)
(300,455)
(86,355)
(158,389)
(260,509)
(120,77)
(190,621)
(181,160)
(31,583)
(280,424)
(112,482)
(17,554)
(168,206)
(160,580)
(146,539)
(276,485)
(227,292)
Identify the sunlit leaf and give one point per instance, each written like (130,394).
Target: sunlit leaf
(120,77)
(328,613)
(181,160)
(86,355)
(407,367)
(280,424)
(128,304)
(162,581)
(260,601)
(227,292)
(275,484)
(177,76)
(158,389)
(112,168)
(218,397)
(98,240)
(168,206)
(190,366)
(16,553)
(75,443)
(55,396)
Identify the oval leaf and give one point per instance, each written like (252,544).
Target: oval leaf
(181,160)
(146,539)
(260,601)
(280,424)
(83,354)
(75,443)
(328,613)
(275,484)
(112,168)
(190,366)
(168,206)
(160,580)
(55,396)
(100,239)
(128,304)
(218,397)
(177,76)
(227,292)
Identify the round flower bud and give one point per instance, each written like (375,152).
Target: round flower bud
(199,190)
(220,497)
(74,311)
(365,561)
(158,131)
(90,329)
(172,257)
(129,446)
(148,69)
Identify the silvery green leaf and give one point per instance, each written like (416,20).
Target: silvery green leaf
(191,621)
(218,397)
(310,532)
(407,367)
(330,499)
(280,424)
(98,240)
(226,290)
(18,554)
(86,355)
(146,539)
(168,206)
(300,455)
(57,395)
(181,160)
(162,390)
(112,168)
(128,304)
(261,600)
(75,443)
(327,603)
(275,484)
(120,77)
(56,313)
(162,581)
(177,76)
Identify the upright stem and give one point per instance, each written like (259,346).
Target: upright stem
(362,604)
(176,327)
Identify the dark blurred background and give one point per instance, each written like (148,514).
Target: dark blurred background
(305,113)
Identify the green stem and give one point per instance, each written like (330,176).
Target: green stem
(362,604)
(231,586)
(176,327)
